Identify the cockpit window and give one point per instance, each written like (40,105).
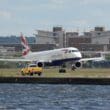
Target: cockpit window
(70,51)
(74,50)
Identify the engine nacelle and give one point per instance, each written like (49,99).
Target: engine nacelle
(40,64)
(78,64)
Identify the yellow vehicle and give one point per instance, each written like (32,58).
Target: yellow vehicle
(31,69)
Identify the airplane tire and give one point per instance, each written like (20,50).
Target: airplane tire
(73,68)
(62,71)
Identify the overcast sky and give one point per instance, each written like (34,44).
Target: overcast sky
(29,15)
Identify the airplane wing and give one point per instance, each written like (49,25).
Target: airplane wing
(93,59)
(15,60)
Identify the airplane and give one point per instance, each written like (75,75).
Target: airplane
(55,57)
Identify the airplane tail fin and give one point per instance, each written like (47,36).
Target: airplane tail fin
(26,48)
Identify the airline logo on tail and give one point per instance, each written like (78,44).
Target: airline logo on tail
(24,42)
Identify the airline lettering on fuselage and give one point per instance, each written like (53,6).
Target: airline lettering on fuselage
(65,50)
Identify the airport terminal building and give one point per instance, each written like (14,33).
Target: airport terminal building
(95,40)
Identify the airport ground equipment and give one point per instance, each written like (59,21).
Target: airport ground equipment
(31,69)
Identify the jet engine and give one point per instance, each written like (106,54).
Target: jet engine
(40,64)
(78,64)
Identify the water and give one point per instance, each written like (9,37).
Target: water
(54,97)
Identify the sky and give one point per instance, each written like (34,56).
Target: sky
(27,16)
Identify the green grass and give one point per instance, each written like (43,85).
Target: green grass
(78,73)
(54,73)
(9,72)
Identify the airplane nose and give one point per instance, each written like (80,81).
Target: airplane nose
(78,54)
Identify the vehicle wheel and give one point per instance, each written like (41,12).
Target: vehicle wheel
(22,73)
(39,74)
(31,74)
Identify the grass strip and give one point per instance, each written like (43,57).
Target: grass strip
(86,73)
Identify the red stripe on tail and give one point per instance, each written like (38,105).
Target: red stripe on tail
(24,43)
(25,52)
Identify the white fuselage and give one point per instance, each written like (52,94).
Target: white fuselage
(56,54)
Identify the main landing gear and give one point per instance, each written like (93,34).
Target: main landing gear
(73,68)
(62,69)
